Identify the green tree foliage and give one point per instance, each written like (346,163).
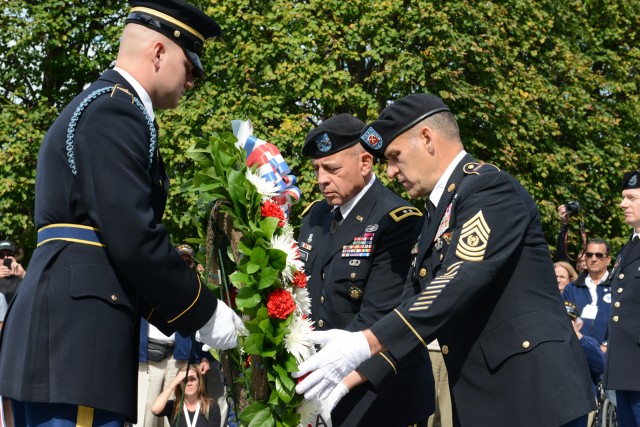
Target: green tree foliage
(48,51)
(546,90)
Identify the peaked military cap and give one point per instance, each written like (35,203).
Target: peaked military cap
(332,135)
(631,180)
(397,118)
(182,22)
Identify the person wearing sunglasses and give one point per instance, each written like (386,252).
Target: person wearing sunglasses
(591,292)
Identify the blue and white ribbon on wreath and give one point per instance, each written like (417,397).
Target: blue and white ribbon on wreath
(271,166)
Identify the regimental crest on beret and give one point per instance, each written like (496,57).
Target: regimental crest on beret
(323,142)
(372,138)
(630,180)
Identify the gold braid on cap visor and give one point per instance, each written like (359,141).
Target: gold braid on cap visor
(169,19)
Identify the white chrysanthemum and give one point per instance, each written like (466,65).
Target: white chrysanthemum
(297,340)
(289,246)
(265,188)
(287,230)
(301,298)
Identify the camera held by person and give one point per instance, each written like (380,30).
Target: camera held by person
(572,207)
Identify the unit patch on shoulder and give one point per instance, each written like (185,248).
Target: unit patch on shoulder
(308,208)
(404,212)
(473,168)
(473,240)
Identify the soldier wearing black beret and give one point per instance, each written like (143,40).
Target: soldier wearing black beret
(623,352)
(356,247)
(69,346)
(482,283)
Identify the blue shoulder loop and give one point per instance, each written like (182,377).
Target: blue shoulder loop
(71,130)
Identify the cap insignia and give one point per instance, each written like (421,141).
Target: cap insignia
(372,138)
(323,142)
(634,180)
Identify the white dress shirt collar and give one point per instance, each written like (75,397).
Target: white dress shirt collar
(347,207)
(438,190)
(144,96)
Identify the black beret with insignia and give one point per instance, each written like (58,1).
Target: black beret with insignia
(180,21)
(398,118)
(631,180)
(332,135)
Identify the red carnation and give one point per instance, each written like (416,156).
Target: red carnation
(271,209)
(300,279)
(280,304)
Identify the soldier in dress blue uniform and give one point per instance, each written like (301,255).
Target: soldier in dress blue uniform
(623,350)
(484,283)
(69,346)
(357,265)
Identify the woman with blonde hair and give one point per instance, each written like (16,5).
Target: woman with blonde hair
(565,273)
(190,407)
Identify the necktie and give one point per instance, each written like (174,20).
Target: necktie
(431,208)
(635,239)
(337,217)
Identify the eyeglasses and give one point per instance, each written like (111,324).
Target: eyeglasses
(598,255)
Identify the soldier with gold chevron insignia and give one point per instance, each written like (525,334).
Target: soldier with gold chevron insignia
(483,285)
(357,262)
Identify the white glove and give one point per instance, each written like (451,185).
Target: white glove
(221,331)
(338,393)
(342,352)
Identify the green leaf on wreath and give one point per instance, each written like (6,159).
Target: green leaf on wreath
(290,363)
(257,414)
(244,249)
(239,279)
(284,377)
(267,328)
(268,277)
(252,268)
(283,393)
(269,225)
(284,385)
(247,298)
(278,259)
(254,343)
(259,256)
